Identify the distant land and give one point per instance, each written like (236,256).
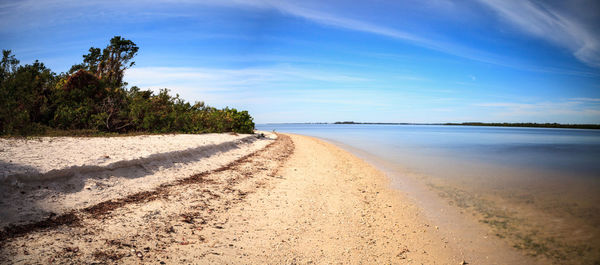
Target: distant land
(494,124)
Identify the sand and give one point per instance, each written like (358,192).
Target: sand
(45,158)
(296,201)
(53,175)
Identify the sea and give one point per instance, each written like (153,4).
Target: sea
(536,188)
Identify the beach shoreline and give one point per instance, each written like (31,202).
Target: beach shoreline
(297,200)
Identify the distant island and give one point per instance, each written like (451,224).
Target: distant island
(494,124)
(380,123)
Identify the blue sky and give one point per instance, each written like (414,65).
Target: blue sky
(325,61)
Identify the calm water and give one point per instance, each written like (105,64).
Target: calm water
(534,184)
(569,152)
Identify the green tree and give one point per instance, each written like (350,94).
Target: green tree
(92,96)
(8,64)
(110,63)
(24,95)
(76,100)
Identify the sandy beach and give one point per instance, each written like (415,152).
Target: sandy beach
(51,176)
(283,199)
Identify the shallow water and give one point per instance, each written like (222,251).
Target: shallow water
(537,187)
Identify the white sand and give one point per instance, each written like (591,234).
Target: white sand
(51,157)
(299,201)
(57,174)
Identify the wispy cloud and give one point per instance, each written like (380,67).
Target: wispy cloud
(329,19)
(260,87)
(229,77)
(586,50)
(550,24)
(532,18)
(194,83)
(586,99)
(549,111)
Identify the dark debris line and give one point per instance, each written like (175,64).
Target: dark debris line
(98,211)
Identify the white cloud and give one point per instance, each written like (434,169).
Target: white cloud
(234,77)
(228,86)
(330,19)
(69,10)
(552,25)
(531,18)
(544,23)
(586,99)
(567,111)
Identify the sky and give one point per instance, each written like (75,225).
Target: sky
(326,61)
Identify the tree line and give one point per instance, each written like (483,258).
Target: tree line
(528,124)
(492,124)
(93,97)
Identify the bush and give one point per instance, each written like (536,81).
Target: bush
(24,97)
(33,99)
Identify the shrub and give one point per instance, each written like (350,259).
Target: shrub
(32,99)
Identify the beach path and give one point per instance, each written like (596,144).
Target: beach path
(330,207)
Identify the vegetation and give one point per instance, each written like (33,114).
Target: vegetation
(529,124)
(504,124)
(92,97)
(372,123)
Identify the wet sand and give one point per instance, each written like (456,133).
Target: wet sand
(550,217)
(297,201)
